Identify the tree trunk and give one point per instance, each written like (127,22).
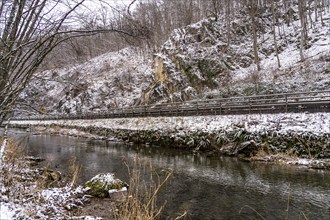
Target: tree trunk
(254,35)
(228,16)
(274,35)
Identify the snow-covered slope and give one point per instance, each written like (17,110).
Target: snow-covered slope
(198,62)
(115,79)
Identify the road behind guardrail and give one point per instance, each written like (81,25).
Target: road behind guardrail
(318,101)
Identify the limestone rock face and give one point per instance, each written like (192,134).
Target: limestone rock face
(194,59)
(213,59)
(103,184)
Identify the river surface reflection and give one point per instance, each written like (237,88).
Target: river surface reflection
(207,187)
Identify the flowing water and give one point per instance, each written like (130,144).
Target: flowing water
(206,187)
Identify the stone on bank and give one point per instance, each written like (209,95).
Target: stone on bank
(104,184)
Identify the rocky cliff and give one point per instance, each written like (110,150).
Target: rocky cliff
(203,60)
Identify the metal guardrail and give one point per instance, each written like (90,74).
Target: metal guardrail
(275,103)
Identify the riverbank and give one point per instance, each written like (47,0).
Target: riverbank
(29,189)
(28,192)
(291,138)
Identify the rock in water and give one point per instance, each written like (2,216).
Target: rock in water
(247,149)
(101,184)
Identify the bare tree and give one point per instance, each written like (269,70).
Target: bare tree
(274,32)
(252,9)
(303,24)
(228,20)
(29,31)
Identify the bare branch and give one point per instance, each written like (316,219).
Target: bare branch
(129,7)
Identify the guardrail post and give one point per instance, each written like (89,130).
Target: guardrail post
(286,102)
(249,105)
(220,108)
(197,108)
(177,109)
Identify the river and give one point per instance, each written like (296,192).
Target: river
(207,187)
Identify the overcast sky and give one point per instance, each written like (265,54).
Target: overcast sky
(96,8)
(113,3)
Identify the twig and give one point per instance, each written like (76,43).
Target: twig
(288,204)
(247,206)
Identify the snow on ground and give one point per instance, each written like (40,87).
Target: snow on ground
(114,79)
(290,56)
(25,192)
(282,123)
(7,211)
(36,203)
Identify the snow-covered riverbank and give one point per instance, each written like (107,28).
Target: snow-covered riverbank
(27,192)
(291,138)
(281,123)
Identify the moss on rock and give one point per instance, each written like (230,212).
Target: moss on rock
(100,185)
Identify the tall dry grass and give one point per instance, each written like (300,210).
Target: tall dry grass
(141,202)
(74,171)
(14,176)
(22,183)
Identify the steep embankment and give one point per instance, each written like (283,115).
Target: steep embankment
(112,80)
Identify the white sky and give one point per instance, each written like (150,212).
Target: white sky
(102,8)
(106,3)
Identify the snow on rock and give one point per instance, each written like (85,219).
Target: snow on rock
(51,203)
(104,184)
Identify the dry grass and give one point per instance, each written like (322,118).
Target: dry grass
(261,153)
(264,154)
(74,171)
(141,202)
(56,128)
(13,175)
(49,178)
(22,185)
(286,211)
(14,153)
